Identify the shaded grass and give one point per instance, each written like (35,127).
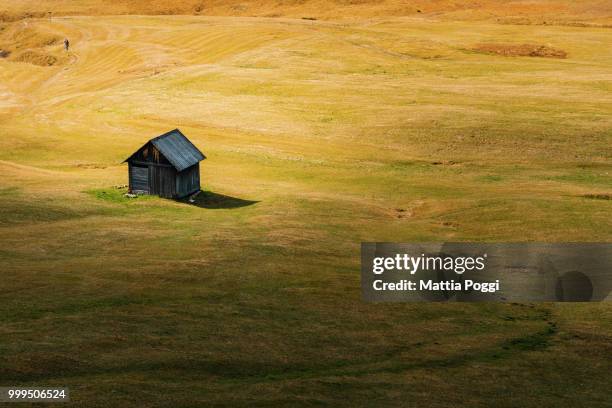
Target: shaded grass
(211,200)
(17,210)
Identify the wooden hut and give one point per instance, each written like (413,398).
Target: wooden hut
(168,166)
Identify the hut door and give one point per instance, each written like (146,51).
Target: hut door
(140,179)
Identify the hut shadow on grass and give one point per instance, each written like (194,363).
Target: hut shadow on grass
(216,201)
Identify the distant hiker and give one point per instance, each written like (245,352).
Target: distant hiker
(66,44)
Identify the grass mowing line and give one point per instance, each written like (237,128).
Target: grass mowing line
(537,341)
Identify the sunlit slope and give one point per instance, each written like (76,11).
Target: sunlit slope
(536,11)
(319,94)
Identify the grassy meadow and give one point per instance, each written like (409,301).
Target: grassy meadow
(319,135)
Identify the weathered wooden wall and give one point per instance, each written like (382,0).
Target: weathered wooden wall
(188,181)
(153,179)
(162,181)
(138,178)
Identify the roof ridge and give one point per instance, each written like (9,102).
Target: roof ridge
(176,148)
(168,134)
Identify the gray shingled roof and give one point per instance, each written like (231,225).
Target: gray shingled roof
(178,149)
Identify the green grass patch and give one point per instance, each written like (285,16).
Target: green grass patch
(118,196)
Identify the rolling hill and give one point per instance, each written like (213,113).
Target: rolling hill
(319,135)
(523,12)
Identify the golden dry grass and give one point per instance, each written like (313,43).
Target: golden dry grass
(341,132)
(592,12)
